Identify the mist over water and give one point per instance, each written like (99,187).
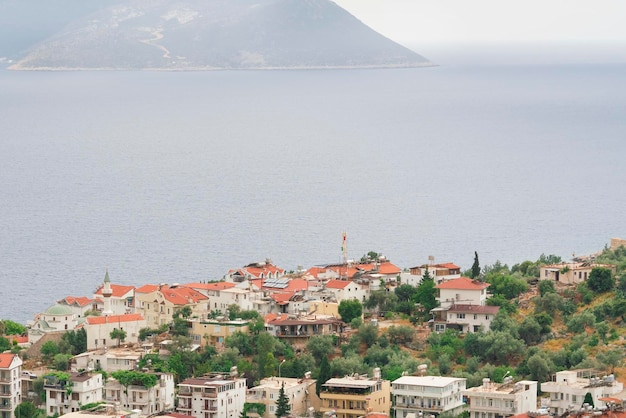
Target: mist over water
(178,177)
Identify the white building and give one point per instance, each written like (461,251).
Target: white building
(427,394)
(109,360)
(98,329)
(568,389)
(495,400)
(347,289)
(121,299)
(462,291)
(216,396)
(439,272)
(64,396)
(298,391)
(10,384)
(138,397)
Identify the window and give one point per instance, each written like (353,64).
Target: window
(460,316)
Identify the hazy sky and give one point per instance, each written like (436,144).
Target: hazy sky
(493,20)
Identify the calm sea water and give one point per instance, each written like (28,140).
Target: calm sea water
(178,177)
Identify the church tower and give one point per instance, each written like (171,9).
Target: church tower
(106,294)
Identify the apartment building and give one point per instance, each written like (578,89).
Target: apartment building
(68,395)
(213,396)
(431,395)
(300,392)
(355,396)
(568,388)
(499,400)
(137,397)
(10,384)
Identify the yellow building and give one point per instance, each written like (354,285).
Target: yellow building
(355,396)
(215,331)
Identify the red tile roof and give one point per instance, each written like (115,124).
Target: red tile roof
(463,283)
(147,288)
(79,301)
(98,320)
(448,266)
(118,290)
(337,284)
(181,295)
(19,339)
(210,286)
(6,360)
(478,309)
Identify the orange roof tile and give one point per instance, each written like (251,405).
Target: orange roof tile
(147,288)
(118,290)
(337,284)
(181,295)
(98,320)
(463,283)
(79,301)
(388,268)
(6,359)
(449,266)
(210,286)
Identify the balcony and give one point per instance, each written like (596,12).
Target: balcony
(212,395)
(6,406)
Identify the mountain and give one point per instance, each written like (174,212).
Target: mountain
(217,34)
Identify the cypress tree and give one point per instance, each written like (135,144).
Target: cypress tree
(475,267)
(282,403)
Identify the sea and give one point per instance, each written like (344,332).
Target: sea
(175,177)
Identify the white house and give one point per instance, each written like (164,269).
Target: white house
(439,272)
(98,329)
(568,389)
(217,396)
(69,395)
(461,291)
(495,400)
(10,383)
(137,397)
(427,395)
(109,360)
(347,289)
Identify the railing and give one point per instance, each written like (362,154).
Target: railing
(6,406)
(209,394)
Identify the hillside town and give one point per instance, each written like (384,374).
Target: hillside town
(136,351)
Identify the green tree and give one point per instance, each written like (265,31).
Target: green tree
(368,334)
(350,309)
(600,280)
(282,403)
(323,375)
(28,409)
(539,367)
(545,287)
(475,266)
(62,362)
(119,335)
(320,346)
(180,326)
(611,358)
(49,349)
(588,399)
(9,327)
(404,292)
(425,295)
(530,330)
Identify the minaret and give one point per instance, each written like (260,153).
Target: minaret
(106,294)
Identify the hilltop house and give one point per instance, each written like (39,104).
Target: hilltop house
(260,270)
(81,306)
(462,306)
(571,273)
